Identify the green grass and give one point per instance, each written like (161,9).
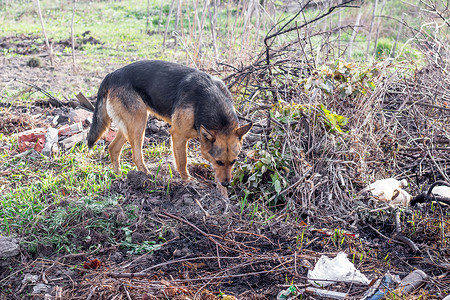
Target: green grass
(119,26)
(35,182)
(64,203)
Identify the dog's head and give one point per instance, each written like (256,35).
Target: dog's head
(221,150)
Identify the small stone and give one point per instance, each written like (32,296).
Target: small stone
(9,247)
(41,288)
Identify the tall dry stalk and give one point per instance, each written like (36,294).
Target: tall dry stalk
(160,16)
(369,34)
(400,27)
(378,29)
(202,25)
(177,18)
(168,23)
(147,23)
(47,44)
(72,34)
(352,38)
(339,28)
(196,17)
(213,22)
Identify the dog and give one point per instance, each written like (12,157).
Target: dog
(193,102)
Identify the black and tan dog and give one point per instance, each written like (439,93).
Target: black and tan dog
(194,103)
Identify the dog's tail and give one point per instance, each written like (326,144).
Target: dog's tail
(100,120)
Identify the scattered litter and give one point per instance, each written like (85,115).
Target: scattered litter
(381,287)
(41,288)
(74,103)
(73,140)
(411,282)
(85,102)
(441,190)
(80,115)
(70,129)
(30,278)
(385,189)
(32,139)
(336,269)
(389,189)
(93,264)
(288,293)
(51,142)
(402,198)
(325,293)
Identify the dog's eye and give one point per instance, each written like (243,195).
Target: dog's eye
(232,163)
(219,162)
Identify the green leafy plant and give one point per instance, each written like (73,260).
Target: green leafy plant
(264,171)
(346,79)
(142,247)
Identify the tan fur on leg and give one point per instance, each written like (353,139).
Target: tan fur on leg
(115,148)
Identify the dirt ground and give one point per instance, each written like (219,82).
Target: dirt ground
(207,244)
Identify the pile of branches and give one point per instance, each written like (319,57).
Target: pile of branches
(393,122)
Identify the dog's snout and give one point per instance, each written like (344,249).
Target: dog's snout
(225,183)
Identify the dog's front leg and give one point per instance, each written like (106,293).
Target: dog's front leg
(115,148)
(179,143)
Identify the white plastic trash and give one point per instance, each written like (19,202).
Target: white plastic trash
(335,269)
(51,138)
(403,198)
(441,190)
(386,189)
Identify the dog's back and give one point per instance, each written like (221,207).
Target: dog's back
(164,87)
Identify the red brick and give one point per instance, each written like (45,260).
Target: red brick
(33,138)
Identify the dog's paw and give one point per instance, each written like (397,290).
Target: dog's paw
(187,178)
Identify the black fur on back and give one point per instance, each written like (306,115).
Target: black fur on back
(165,86)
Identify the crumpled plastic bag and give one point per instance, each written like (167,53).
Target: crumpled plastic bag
(385,189)
(390,190)
(338,268)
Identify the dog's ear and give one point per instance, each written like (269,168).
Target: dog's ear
(241,131)
(206,136)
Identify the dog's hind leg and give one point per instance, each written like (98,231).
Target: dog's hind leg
(136,139)
(115,148)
